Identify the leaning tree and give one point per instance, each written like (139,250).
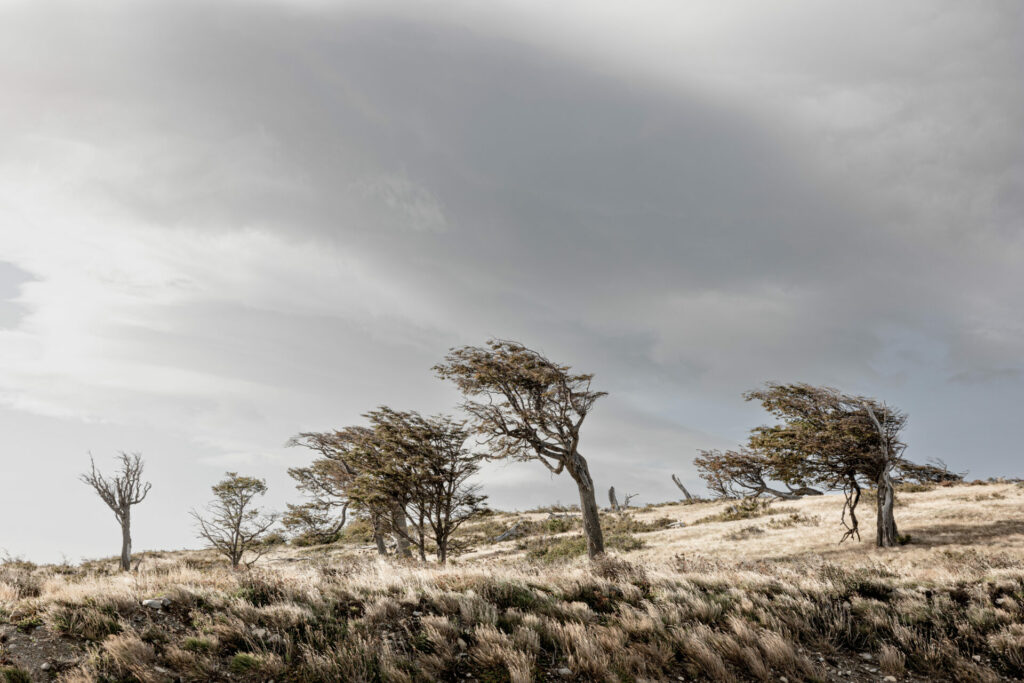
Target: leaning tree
(835,440)
(527,407)
(420,465)
(120,493)
(328,483)
(745,474)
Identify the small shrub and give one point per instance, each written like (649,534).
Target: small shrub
(562,549)
(243,662)
(200,646)
(744,533)
(29,624)
(12,674)
(746,508)
(794,519)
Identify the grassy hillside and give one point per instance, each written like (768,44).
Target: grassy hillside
(732,594)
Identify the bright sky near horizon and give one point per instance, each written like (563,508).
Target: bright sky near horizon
(222,223)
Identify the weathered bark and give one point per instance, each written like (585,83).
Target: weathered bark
(612,500)
(401,532)
(378,533)
(382,548)
(682,488)
(126,543)
(887,536)
(580,473)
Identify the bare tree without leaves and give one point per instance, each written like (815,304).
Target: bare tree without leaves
(120,493)
(232,524)
(527,407)
(675,480)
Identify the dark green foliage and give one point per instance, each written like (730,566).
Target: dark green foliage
(12,674)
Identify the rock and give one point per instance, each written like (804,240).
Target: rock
(976,658)
(865,655)
(46,666)
(461,643)
(156,603)
(783,679)
(890,679)
(564,672)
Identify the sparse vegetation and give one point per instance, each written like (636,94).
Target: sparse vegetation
(782,599)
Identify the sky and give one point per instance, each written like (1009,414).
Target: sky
(223,223)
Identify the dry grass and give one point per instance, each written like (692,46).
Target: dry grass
(708,601)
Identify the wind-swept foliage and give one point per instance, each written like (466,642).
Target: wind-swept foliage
(527,407)
(406,473)
(835,440)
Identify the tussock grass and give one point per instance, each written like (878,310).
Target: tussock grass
(678,605)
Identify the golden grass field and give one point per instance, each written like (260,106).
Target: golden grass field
(769,597)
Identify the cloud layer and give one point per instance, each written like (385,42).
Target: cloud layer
(223,224)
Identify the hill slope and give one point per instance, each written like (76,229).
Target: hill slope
(747,593)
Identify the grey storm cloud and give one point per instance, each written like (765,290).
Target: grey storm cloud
(275,216)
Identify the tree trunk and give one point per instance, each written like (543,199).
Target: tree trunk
(126,544)
(401,532)
(887,535)
(588,506)
(382,548)
(682,488)
(378,533)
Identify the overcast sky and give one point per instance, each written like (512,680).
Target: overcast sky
(222,223)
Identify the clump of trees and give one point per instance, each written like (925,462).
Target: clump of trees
(120,493)
(525,406)
(408,475)
(232,523)
(824,440)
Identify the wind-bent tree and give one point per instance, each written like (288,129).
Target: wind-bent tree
(120,493)
(232,524)
(744,474)
(527,407)
(420,466)
(326,482)
(836,440)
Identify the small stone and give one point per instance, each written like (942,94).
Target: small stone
(46,666)
(865,655)
(890,679)
(783,679)
(564,672)
(156,603)
(976,658)
(461,643)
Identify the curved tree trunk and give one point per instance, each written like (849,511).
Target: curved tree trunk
(126,544)
(588,506)
(887,536)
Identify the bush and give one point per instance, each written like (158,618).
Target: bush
(243,662)
(746,508)
(562,549)
(12,674)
